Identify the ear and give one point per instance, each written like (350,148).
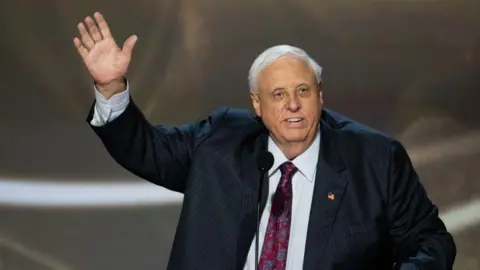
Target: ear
(256,103)
(320,92)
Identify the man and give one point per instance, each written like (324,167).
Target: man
(339,195)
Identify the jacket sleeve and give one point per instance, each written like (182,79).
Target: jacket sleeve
(159,154)
(420,237)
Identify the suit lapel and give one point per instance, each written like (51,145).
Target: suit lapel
(255,142)
(260,145)
(330,183)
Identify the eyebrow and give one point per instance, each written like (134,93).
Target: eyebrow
(298,85)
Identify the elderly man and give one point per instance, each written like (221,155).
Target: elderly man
(339,195)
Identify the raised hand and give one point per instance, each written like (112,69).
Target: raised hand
(105,61)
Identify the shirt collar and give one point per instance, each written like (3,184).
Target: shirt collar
(306,162)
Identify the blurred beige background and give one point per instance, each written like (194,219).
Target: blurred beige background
(407,67)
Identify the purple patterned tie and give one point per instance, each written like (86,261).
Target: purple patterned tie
(275,246)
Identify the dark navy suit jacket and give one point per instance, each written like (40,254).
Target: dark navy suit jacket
(380,217)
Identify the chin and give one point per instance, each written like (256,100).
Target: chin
(295,138)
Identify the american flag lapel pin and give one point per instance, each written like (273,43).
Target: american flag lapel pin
(331,196)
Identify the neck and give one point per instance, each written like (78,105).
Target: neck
(291,150)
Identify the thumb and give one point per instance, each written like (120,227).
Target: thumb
(128,45)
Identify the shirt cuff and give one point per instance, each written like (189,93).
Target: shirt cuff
(106,110)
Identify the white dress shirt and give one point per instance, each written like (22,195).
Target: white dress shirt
(302,183)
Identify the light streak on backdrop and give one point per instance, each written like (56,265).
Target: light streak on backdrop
(24,192)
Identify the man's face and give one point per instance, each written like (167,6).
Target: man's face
(289,100)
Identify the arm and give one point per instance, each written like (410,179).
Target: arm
(162,154)
(420,237)
(159,154)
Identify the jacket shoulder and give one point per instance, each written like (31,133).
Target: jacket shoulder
(228,122)
(358,132)
(229,117)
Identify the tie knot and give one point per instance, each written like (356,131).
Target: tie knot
(288,169)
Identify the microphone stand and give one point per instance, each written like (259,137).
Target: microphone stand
(257,248)
(265,161)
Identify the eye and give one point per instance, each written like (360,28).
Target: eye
(302,90)
(277,94)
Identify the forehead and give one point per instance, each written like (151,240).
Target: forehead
(284,72)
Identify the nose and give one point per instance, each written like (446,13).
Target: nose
(293,104)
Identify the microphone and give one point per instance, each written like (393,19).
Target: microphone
(264,163)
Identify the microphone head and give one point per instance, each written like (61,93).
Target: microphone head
(265,161)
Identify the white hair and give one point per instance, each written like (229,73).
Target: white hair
(271,54)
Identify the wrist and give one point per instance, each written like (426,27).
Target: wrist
(114,87)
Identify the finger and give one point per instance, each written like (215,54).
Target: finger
(128,45)
(103,25)
(85,36)
(80,48)
(93,30)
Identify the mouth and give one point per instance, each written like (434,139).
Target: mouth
(294,120)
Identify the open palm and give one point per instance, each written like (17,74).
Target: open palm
(105,61)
